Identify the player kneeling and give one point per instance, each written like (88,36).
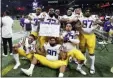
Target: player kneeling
(70,41)
(49,56)
(26,48)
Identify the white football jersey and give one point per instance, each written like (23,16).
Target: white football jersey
(71,35)
(34,22)
(88,24)
(28,47)
(32,15)
(52,20)
(52,52)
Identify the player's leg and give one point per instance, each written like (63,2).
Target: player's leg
(16,56)
(80,58)
(82,45)
(42,41)
(91,41)
(4,46)
(62,70)
(29,71)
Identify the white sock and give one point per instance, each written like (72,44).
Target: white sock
(16,57)
(92,61)
(31,67)
(61,75)
(79,66)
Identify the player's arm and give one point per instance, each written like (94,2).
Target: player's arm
(63,53)
(98,21)
(40,51)
(19,44)
(74,41)
(78,26)
(74,19)
(42,16)
(41,19)
(63,18)
(63,37)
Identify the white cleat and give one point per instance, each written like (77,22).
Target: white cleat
(16,66)
(103,42)
(11,53)
(28,73)
(82,71)
(61,75)
(92,71)
(4,55)
(111,70)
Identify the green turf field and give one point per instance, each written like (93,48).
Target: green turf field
(104,61)
(16,26)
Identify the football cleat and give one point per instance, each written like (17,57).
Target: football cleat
(16,66)
(82,71)
(112,70)
(27,72)
(92,71)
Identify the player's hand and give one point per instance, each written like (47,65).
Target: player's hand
(65,39)
(63,19)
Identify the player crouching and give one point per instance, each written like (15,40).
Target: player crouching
(70,41)
(26,48)
(50,56)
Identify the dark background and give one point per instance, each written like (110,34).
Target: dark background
(19,7)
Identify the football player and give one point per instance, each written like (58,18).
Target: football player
(69,18)
(78,13)
(49,56)
(70,41)
(87,36)
(35,18)
(26,48)
(50,18)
